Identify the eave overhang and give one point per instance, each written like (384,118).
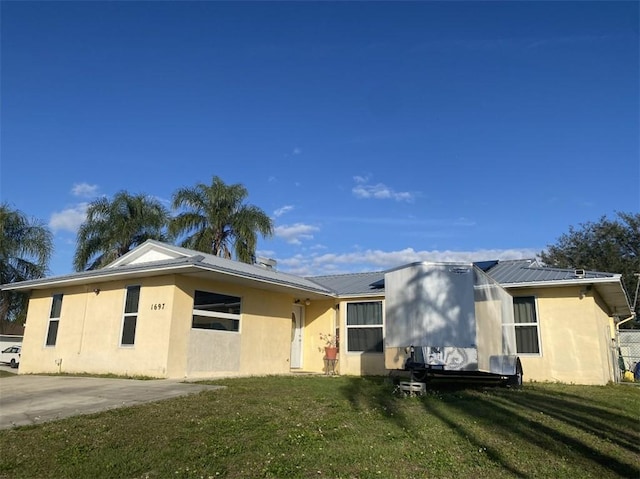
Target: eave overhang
(180,267)
(610,290)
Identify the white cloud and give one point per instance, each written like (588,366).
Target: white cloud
(85,190)
(378,191)
(297,151)
(378,260)
(295,233)
(69,219)
(280,211)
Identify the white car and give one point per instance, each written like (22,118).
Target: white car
(11,356)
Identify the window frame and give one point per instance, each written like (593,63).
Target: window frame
(218,314)
(348,327)
(536,324)
(53,319)
(128,315)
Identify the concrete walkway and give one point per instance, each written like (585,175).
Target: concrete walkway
(27,399)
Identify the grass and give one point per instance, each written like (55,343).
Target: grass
(343,427)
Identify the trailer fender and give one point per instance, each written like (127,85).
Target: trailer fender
(504,365)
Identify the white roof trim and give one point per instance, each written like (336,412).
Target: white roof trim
(562,282)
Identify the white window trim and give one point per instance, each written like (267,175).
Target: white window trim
(213,314)
(125,315)
(46,336)
(345,341)
(536,324)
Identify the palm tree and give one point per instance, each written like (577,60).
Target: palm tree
(25,249)
(215,220)
(113,228)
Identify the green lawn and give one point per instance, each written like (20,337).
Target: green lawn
(342,427)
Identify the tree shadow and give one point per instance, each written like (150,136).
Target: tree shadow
(564,419)
(508,413)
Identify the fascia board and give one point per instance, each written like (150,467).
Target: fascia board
(562,282)
(360,295)
(93,277)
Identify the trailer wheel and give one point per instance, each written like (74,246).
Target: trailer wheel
(515,381)
(419,375)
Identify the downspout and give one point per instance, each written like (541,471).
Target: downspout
(633,315)
(633,307)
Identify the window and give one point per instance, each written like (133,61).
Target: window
(364,327)
(216,311)
(130,318)
(526,324)
(54,320)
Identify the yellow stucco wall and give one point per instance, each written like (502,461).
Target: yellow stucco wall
(320,318)
(575,338)
(90,329)
(165,344)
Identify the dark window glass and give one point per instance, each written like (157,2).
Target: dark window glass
(52,332)
(133,297)
(216,303)
(526,327)
(364,327)
(56,306)
(216,311)
(129,330)
(364,314)
(527,339)
(524,309)
(220,324)
(130,319)
(365,340)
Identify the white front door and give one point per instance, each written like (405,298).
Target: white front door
(296,336)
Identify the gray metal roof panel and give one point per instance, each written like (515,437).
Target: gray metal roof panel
(353,284)
(530,271)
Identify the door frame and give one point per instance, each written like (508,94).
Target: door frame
(297,310)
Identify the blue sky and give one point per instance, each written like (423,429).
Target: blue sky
(373,133)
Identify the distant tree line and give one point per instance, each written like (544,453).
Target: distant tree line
(212,218)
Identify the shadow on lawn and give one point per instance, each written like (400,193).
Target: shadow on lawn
(542,418)
(546,419)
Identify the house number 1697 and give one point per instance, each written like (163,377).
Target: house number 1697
(157,306)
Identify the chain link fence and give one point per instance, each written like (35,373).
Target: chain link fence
(629,348)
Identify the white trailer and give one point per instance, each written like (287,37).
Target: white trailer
(449,319)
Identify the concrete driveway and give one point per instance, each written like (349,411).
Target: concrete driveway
(27,399)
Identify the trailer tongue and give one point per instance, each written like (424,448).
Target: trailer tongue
(449,319)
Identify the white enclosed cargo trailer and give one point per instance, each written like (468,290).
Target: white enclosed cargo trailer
(449,319)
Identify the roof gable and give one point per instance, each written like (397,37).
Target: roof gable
(151,251)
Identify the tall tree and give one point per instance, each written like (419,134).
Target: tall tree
(606,245)
(25,249)
(215,220)
(113,227)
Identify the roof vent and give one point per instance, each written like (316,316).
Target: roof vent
(579,273)
(266,263)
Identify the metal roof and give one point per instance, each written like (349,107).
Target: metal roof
(176,260)
(353,284)
(528,273)
(529,270)
(182,260)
